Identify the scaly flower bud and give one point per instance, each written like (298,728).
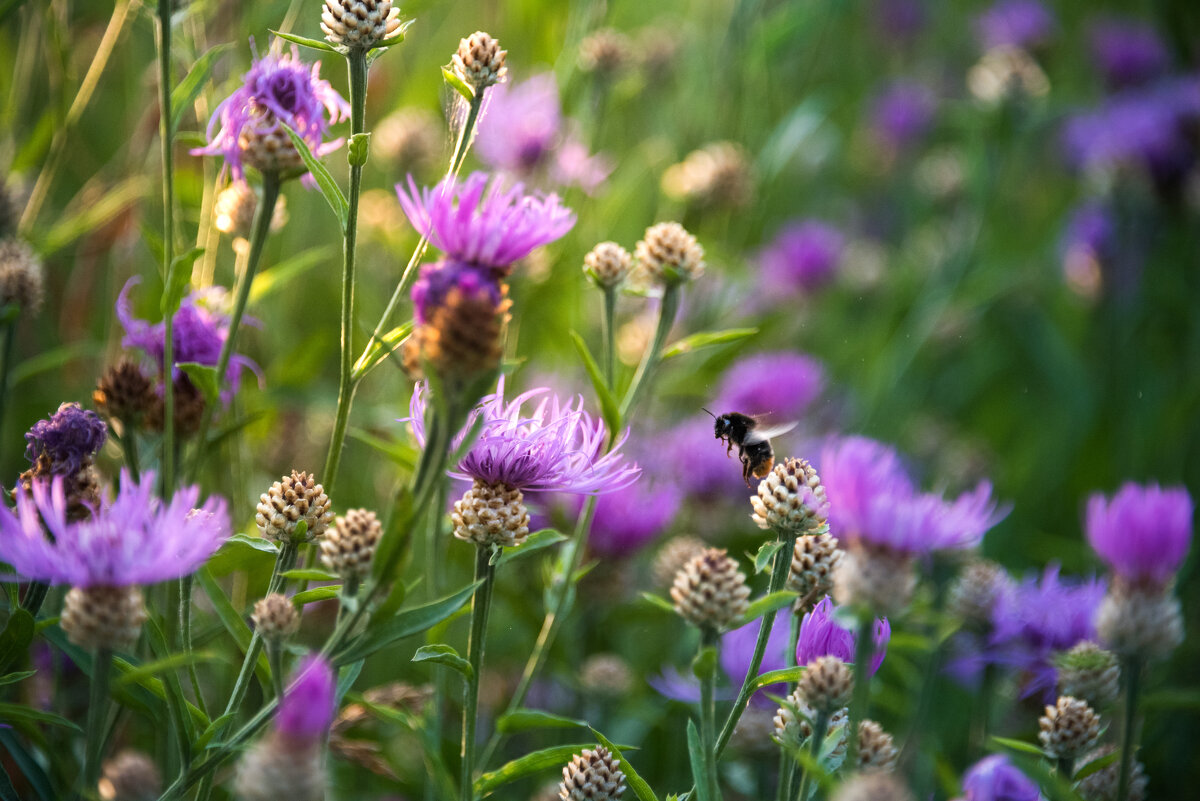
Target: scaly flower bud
(130,776)
(479,61)
(826,684)
(673,555)
(606,675)
(592,776)
(607,264)
(1068,729)
(491,514)
(717,175)
(233,210)
(876,748)
(669,254)
(124,392)
(348,548)
(1139,620)
(103,617)
(604,52)
(878,579)
(1089,672)
(791,498)
(292,499)
(872,787)
(359,24)
(814,560)
(975,592)
(1102,785)
(710,590)
(20,276)
(275,617)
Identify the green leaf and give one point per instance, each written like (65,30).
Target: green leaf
(314,595)
(205,379)
(53,359)
(609,408)
(545,759)
(766,552)
(635,782)
(659,601)
(274,278)
(315,44)
(310,574)
(358,148)
(15,639)
(538,540)
(398,453)
(706,339)
(190,87)
(242,552)
(13,678)
(705,663)
(443,654)
(696,759)
(382,349)
(325,182)
(29,767)
(406,624)
(178,279)
(16,713)
(526,719)
(781,676)
(139,674)
(206,736)
(1098,764)
(458,84)
(233,622)
(767,603)
(394,601)
(176,702)
(7,791)
(91,216)
(1016,745)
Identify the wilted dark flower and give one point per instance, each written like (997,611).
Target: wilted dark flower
(69,438)
(1019,23)
(903,114)
(1143,533)
(1126,52)
(782,384)
(804,256)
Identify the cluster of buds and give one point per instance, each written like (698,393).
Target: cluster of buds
(65,445)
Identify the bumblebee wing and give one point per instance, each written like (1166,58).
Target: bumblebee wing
(759,434)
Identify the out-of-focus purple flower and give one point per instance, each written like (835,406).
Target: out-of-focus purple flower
(995,778)
(874,503)
(1016,23)
(278,89)
(200,331)
(1143,533)
(903,114)
(307,707)
(436,281)
(484,224)
(555,447)
(804,256)
(710,472)
(135,539)
(737,649)
(628,519)
(821,635)
(69,437)
(900,20)
(781,384)
(1127,52)
(1088,246)
(522,132)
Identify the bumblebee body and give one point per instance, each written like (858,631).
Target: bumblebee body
(753,443)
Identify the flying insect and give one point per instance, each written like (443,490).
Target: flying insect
(753,443)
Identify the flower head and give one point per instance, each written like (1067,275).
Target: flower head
(555,447)
(1126,52)
(804,256)
(1018,23)
(437,281)
(307,707)
(483,223)
(69,438)
(135,539)
(279,89)
(821,635)
(628,519)
(903,114)
(995,778)
(782,384)
(1143,533)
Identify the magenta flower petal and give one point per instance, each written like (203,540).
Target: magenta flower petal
(821,635)
(995,778)
(307,707)
(1143,533)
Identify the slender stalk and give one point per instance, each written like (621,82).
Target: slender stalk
(820,726)
(129,448)
(708,716)
(35,596)
(168,188)
(1066,768)
(356,61)
(610,344)
(789,658)
(864,646)
(97,716)
(666,318)
(787,772)
(185,629)
(258,239)
(6,354)
(1131,670)
(779,572)
(275,659)
(480,606)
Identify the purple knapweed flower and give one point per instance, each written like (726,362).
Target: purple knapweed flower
(68,438)
(903,114)
(437,280)
(575,165)
(200,331)
(804,256)
(555,447)
(737,649)
(278,88)
(874,503)
(1015,23)
(782,384)
(307,707)
(1127,53)
(484,224)
(135,539)
(821,635)
(996,778)
(628,519)
(1143,533)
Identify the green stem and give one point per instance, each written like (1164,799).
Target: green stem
(258,239)
(708,716)
(820,726)
(779,572)
(97,716)
(275,659)
(185,628)
(666,318)
(1066,768)
(789,658)
(787,772)
(168,190)
(6,354)
(485,571)
(610,345)
(356,61)
(864,647)
(130,449)
(1131,670)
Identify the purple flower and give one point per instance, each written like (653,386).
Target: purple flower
(903,114)
(995,778)
(821,635)
(628,519)
(200,331)
(1016,23)
(737,649)
(1143,533)
(438,280)
(1089,243)
(710,473)
(279,88)
(68,438)
(782,384)
(803,256)
(556,447)
(492,228)
(574,165)
(1127,53)
(135,539)
(307,707)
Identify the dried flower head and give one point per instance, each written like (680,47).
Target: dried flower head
(482,223)
(275,617)
(1090,673)
(130,776)
(347,548)
(1102,784)
(279,89)
(359,24)
(996,778)
(479,61)
(1069,728)
(554,447)
(290,500)
(1143,533)
(592,776)
(1135,620)
(791,498)
(69,439)
(607,264)
(124,392)
(21,281)
(669,254)
(814,560)
(491,514)
(710,591)
(717,175)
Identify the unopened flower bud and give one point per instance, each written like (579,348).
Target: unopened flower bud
(791,498)
(673,555)
(872,787)
(124,392)
(479,61)
(754,731)
(1068,729)
(275,617)
(275,768)
(1089,672)
(607,264)
(1102,784)
(592,776)
(130,776)
(718,175)
(347,548)
(669,254)
(605,52)
(189,405)
(876,748)
(20,276)
(880,580)
(710,590)
(606,675)
(360,24)
(793,721)
(290,500)
(826,684)
(974,593)
(491,514)
(103,617)
(411,139)
(814,560)
(233,210)
(1140,620)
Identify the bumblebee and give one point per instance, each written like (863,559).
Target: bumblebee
(753,443)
